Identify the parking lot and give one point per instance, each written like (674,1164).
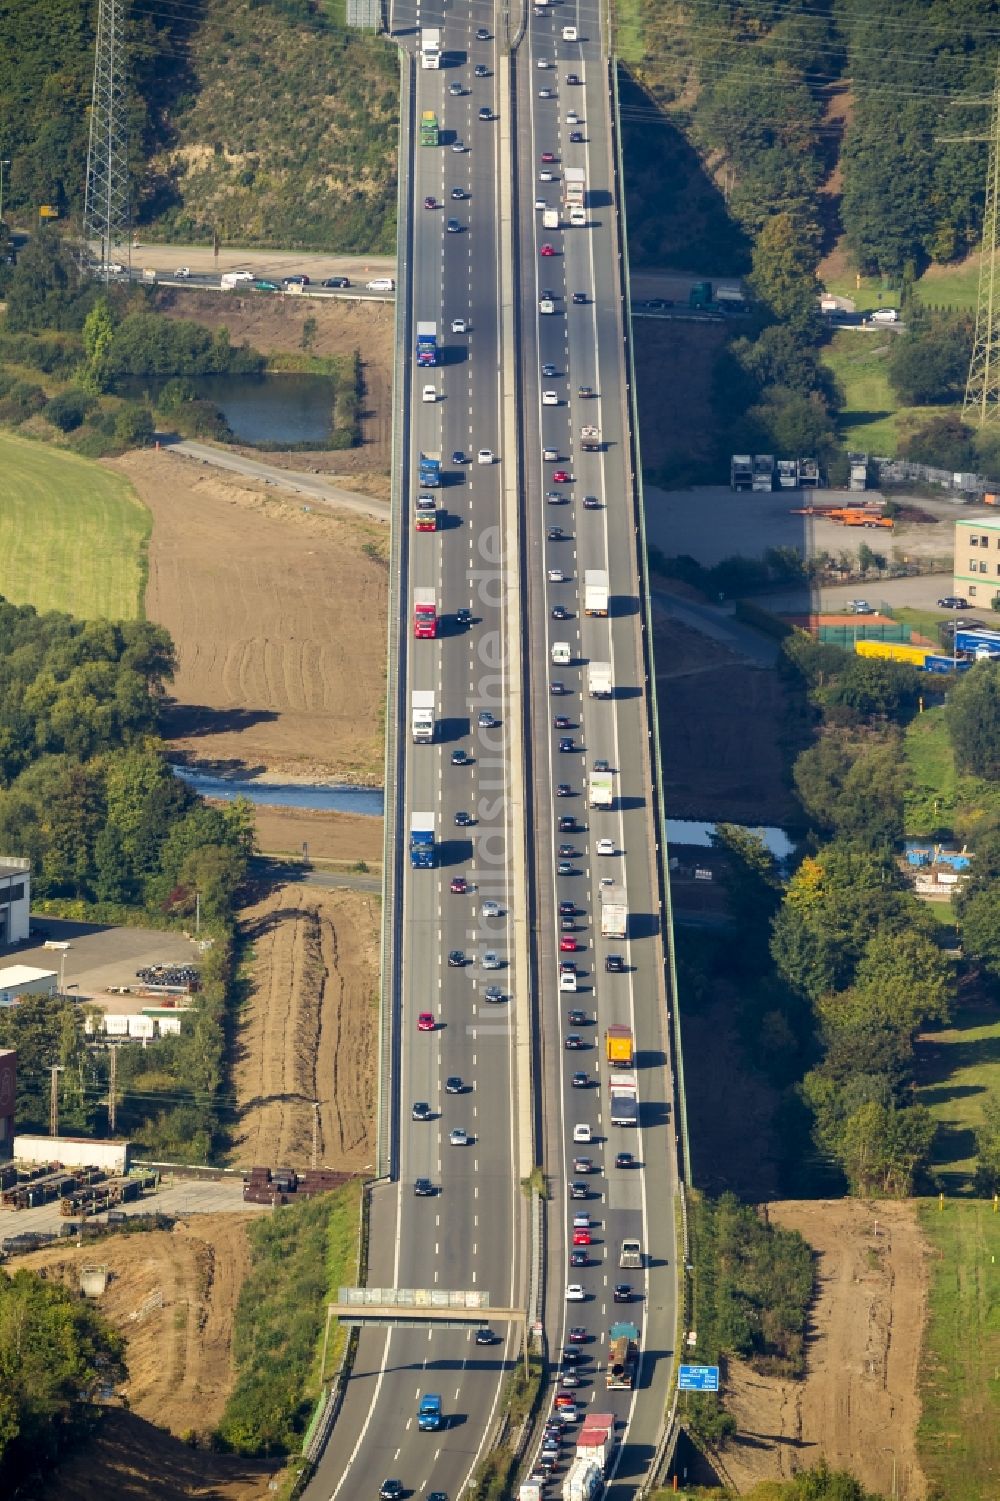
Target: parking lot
(713,522)
(101,957)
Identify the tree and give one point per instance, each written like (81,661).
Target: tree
(818,1483)
(134,425)
(871,687)
(882,1149)
(98,342)
(784,275)
(852,789)
(979,928)
(943,443)
(931,366)
(973,718)
(988,1147)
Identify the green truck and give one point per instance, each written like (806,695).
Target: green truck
(428,128)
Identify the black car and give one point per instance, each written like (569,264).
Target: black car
(583,391)
(614,964)
(421,1111)
(563,789)
(481,70)
(591,503)
(580,1080)
(453,1085)
(571,1356)
(461,758)
(566,824)
(485,1337)
(579,298)
(572,78)
(483,35)
(485,113)
(578,1256)
(555,534)
(567,852)
(573,1041)
(453,227)
(458,194)
(953,602)
(458,457)
(622,1293)
(578,1018)
(456,958)
(579,1190)
(565,744)
(549,370)
(624,1159)
(337,281)
(560,612)
(424,1189)
(390,1490)
(601,765)
(576,136)
(464,617)
(464,820)
(557,687)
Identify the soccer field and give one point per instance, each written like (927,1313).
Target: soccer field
(72,535)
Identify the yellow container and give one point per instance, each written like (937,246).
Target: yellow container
(895,651)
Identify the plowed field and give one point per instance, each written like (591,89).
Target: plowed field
(307,1032)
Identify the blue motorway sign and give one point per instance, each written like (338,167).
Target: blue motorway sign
(698,1378)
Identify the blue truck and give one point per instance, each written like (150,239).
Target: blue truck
(422,841)
(427,352)
(429,1415)
(981,641)
(430,471)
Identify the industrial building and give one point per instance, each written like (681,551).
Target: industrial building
(15,900)
(977,561)
(20,980)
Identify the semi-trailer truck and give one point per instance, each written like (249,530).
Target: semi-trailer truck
(422,715)
(422,841)
(574,187)
(424,614)
(614,912)
(597,1439)
(430,47)
(595,591)
(430,1417)
(430,470)
(624,1098)
(599,790)
(599,679)
(427,353)
(618,1046)
(584,1480)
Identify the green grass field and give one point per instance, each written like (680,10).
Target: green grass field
(871,293)
(959,1435)
(960,1065)
(73,535)
(950,286)
(872,420)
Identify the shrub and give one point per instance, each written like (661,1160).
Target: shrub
(67,410)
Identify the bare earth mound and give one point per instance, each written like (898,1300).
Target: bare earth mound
(308,1030)
(278,614)
(173,1295)
(858,1403)
(341,837)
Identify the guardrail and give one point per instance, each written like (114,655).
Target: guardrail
(396,651)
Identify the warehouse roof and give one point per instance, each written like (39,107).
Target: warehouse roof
(23,974)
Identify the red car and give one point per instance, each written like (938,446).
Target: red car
(459,885)
(567,945)
(581,1237)
(561,477)
(548,156)
(425,1022)
(565,1400)
(547,250)
(430,202)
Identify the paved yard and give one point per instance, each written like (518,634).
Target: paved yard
(100,956)
(177,1197)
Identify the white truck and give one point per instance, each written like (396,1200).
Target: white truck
(590,438)
(599,790)
(550,218)
(574,187)
(430,47)
(614,912)
(596,1440)
(422,715)
(624,1100)
(595,591)
(584,1482)
(599,679)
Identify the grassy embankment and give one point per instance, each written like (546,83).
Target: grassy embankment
(872,420)
(301,1255)
(73,536)
(959,1434)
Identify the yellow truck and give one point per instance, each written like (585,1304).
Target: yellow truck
(618,1046)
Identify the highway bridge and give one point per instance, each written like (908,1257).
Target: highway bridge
(473,986)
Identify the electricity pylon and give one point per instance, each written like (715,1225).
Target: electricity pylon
(982,389)
(106,207)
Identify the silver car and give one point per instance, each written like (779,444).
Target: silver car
(491,960)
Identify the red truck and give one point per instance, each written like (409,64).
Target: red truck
(424,614)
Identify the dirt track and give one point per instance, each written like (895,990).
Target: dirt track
(859,1397)
(278,615)
(308,1030)
(329,836)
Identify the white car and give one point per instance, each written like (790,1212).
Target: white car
(556,576)
(567,981)
(582,1133)
(182,273)
(575,1293)
(550,399)
(429,393)
(458,1137)
(545,175)
(543,62)
(458,146)
(484,456)
(540,205)
(490,909)
(242,275)
(491,960)
(570,34)
(572,118)
(605,846)
(459,326)
(546,305)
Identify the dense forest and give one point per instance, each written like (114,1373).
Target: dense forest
(220,142)
(86,794)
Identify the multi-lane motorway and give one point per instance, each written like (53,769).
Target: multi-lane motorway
(467,1233)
